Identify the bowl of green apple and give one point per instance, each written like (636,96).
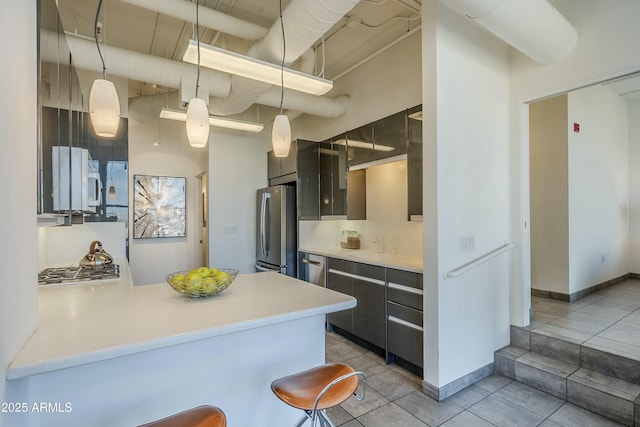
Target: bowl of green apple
(202,282)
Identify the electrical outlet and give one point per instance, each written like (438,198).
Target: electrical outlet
(230,229)
(467,243)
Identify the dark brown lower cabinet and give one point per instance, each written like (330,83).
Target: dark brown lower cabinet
(340,282)
(368,315)
(389,309)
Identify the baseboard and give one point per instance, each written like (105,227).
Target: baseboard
(441,393)
(583,292)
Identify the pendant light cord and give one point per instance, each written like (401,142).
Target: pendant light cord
(284,54)
(198,42)
(95,35)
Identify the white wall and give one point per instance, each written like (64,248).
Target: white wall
(634,186)
(18,171)
(68,245)
(386,217)
(237,168)
(472,84)
(598,187)
(152,259)
(385,85)
(549,187)
(606,47)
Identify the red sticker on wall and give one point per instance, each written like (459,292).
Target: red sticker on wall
(576,127)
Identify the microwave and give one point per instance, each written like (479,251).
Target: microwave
(76,180)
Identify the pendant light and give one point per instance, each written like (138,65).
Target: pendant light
(197,111)
(104,105)
(112,188)
(281,132)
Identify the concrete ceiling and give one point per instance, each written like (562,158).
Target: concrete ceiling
(370,26)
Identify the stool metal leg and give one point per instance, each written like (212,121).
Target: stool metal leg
(302,420)
(324,419)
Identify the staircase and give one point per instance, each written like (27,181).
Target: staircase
(601,382)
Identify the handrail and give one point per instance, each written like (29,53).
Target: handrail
(476,262)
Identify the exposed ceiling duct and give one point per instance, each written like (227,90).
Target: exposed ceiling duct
(132,65)
(297,102)
(305,21)
(534,27)
(209,18)
(169,73)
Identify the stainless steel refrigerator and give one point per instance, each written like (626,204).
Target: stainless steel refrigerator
(276,238)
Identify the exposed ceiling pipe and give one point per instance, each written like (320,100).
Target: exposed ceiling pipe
(297,102)
(534,27)
(310,104)
(305,21)
(168,73)
(133,65)
(308,61)
(208,18)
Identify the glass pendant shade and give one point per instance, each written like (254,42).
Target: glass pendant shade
(197,123)
(281,136)
(112,192)
(104,108)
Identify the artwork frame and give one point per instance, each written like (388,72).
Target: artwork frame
(159,207)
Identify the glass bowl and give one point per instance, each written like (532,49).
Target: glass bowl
(202,287)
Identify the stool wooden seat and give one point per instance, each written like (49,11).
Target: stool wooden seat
(318,389)
(200,416)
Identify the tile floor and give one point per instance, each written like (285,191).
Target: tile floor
(394,398)
(607,320)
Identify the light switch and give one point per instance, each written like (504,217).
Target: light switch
(467,243)
(230,229)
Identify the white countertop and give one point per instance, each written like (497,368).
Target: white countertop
(408,263)
(86,323)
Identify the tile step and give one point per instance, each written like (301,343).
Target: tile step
(610,397)
(602,394)
(590,354)
(544,373)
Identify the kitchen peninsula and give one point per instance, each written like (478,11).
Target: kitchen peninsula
(114,354)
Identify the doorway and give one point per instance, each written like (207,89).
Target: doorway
(201,221)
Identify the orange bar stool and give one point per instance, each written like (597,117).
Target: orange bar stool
(318,389)
(200,416)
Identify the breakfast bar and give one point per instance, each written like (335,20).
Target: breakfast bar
(114,354)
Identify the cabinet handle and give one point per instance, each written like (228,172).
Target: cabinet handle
(308,261)
(355,276)
(405,323)
(406,288)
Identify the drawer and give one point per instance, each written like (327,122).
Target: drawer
(340,264)
(405,314)
(405,338)
(369,271)
(404,295)
(405,278)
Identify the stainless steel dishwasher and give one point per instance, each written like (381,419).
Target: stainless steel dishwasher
(312,269)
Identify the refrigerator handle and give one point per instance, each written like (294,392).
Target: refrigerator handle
(263,215)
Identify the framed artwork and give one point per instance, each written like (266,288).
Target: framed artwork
(159,207)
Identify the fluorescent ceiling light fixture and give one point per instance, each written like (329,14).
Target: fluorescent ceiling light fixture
(221,122)
(252,68)
(378,162)
(362,144)
(416,116)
